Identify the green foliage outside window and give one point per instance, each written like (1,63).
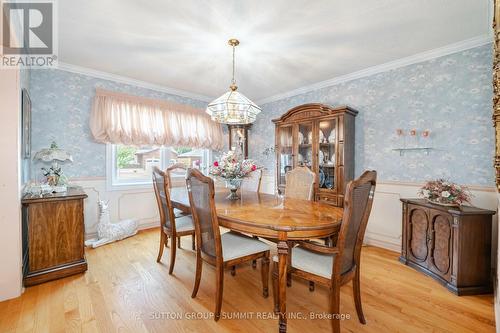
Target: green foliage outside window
(182,150)
(124,155)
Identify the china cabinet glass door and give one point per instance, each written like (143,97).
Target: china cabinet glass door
(327,134)
(305,139)
(285,153)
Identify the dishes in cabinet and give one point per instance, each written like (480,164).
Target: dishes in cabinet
(301,138)
(310,137)
(285,139)
(328,182)
(300,158)
(321,157)
(331,137)
(309,155)
(321,136)
(321,177)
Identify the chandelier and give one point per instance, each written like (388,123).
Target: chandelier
(232,107)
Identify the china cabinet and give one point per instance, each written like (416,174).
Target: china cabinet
(322,138)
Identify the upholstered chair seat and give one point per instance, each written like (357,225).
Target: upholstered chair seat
(315,263)
(237,245)
(184,223)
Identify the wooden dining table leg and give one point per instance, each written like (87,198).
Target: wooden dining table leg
(282,279)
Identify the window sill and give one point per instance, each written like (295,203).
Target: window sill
(176,181)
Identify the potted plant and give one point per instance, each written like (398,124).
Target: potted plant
(445,193)
(232,168)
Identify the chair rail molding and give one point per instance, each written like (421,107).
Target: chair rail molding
(385,225)
(129,203)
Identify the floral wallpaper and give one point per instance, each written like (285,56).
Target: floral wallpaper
(451,96)
(61,104)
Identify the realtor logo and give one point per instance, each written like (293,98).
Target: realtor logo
(29,34)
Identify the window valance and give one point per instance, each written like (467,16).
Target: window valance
(132,120)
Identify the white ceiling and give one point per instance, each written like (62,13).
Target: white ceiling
(285,44)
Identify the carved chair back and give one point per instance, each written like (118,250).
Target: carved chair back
(179,169)
(357,207)
(300,183)
(252,182)
(201,199)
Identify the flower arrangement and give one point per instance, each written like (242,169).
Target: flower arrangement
(232,166)
(444,192)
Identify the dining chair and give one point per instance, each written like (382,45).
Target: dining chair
(170,225)
(179,169)
(336,266)
(252,182)
(221,251)
(300,183)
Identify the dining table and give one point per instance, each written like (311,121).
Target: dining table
(272,217)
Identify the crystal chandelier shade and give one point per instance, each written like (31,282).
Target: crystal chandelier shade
(232,107)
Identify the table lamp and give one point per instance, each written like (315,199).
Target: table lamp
(55,177)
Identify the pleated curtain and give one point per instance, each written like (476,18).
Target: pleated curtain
(119,118)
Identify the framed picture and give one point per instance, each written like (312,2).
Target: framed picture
(26,123)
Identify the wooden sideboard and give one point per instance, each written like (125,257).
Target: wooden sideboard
(450,244)
(53,236)
(320,137)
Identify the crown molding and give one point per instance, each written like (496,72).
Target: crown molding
(416,58)
(127,80)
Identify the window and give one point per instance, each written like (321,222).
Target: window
(131,166)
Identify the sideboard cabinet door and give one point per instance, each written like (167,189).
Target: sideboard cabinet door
(418,230)
(53,236)
(441,246)
(450,244)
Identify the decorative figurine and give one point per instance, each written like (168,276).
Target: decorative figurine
(54,175)
(108,232)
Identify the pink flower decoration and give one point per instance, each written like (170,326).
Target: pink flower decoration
(254,167)
(216,164)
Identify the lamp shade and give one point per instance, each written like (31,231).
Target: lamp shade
(53,153)
(233,108)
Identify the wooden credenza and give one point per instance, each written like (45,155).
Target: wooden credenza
(53,236)
(450,244)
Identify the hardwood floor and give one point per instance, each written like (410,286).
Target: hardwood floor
(126,290)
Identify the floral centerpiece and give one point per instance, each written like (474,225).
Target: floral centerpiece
(443,192)
(232,168)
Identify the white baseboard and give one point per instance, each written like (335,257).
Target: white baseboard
(382,241)
(141,226)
